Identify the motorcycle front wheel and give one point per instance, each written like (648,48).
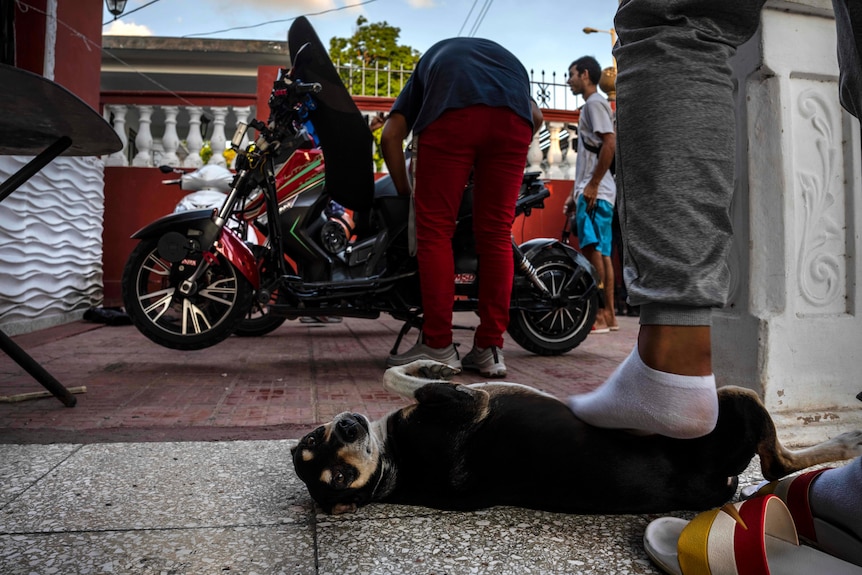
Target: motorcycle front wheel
(167,317)
(565,326)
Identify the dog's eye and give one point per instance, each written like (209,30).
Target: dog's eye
(310,441)
(341,478)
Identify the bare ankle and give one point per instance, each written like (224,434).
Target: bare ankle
(683,350)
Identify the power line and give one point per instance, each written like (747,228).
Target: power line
(468,16)
(480,17)
(280,21)
(124,14)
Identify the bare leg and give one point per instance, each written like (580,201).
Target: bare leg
(595,257)
(610,313)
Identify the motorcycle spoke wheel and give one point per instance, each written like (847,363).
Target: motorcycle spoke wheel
(169,318)
(564,326)
(259,321)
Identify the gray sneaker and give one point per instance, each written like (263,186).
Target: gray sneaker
(488,361)
(447,355)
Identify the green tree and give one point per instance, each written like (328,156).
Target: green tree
(371,62)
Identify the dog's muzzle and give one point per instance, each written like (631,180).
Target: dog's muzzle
(350,427)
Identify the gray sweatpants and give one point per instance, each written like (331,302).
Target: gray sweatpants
(675,145)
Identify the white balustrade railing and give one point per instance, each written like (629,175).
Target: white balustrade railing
(177,135)
(173,135)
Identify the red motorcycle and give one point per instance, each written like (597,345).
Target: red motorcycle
(192,280)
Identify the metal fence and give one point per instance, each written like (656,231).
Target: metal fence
(549,90)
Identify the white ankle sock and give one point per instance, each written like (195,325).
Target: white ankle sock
(639,398)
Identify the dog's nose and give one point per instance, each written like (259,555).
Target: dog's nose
(347,429)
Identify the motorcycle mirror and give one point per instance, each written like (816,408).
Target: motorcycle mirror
(239,134)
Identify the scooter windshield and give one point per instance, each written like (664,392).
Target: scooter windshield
(345,139)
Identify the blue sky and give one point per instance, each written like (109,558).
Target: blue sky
(544,34)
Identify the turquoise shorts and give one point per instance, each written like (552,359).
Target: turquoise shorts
(595,228)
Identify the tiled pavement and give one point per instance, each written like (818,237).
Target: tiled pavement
(128,481)
(273,387)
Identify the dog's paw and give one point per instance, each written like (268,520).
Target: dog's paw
(850,442)
(438,371)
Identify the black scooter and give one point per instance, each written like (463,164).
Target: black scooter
(192,279)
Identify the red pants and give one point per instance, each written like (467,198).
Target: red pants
(493,142)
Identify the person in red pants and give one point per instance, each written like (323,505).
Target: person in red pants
(468,105)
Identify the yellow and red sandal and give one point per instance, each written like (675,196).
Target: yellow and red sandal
(829,537)
(753,537)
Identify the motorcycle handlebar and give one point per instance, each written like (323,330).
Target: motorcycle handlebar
(312,88)
(172,182)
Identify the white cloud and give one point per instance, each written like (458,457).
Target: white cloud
(121,28)
(282,5)
(422,3)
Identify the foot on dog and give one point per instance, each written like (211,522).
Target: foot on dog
(639,398)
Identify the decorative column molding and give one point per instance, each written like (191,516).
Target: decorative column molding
(144,139)
(194,141)
(792,331)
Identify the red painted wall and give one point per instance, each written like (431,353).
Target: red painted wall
(30,36)
(134,197)
(547,222)
(77,55)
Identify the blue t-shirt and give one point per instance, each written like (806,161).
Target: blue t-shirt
(461,72)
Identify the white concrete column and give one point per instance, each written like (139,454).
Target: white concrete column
(218,140)
(144,139)
(242,113)
(118,158)
(555,154)
(194,141)
(534,155)
(793,331)
(170,139)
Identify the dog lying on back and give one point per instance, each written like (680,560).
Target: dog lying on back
(466,447)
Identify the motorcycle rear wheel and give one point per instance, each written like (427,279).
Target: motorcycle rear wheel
(563,328)
(260,320)
(205,318)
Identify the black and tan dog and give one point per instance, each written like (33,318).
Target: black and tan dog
(466,447)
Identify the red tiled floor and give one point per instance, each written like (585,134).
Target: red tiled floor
(277,386)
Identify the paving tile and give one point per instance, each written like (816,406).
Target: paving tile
(267,550)
(23,465)
(393,539)
(500,541)
(133,486)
